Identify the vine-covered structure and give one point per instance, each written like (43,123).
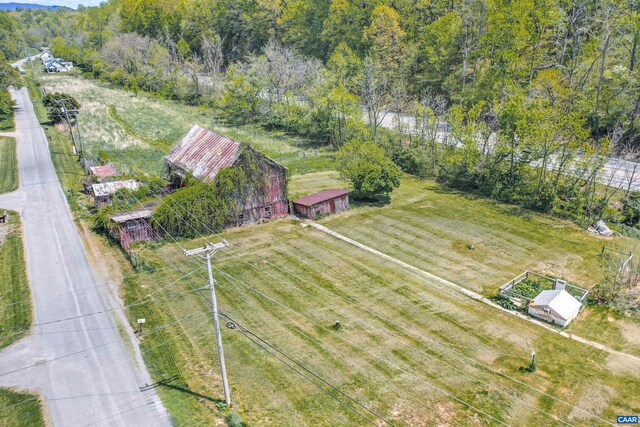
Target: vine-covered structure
(259,182)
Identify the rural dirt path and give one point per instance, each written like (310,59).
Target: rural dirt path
(75,357)
(469,293)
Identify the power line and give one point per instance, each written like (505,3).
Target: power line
(149,332)
(263,344)
(430,356)
(431,340)
(108,310)
(184,209)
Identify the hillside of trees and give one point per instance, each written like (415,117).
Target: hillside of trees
(553,81)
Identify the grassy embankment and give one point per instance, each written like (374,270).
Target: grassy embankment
(424,225)
(66,164)
(16,409)
(7,123)
(8,165)
(23,409)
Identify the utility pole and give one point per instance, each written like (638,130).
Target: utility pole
(79,148)
(209,249)
(64,110)
(84,159)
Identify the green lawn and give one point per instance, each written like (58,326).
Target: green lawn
(19,409)
(16,409)
(135,131)
(7,123)
(8,165)
(15,299)
(400,332)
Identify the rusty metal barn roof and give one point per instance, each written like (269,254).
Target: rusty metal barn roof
(109,188)
(128,216)
(319,197)
(103,171)
(204,153)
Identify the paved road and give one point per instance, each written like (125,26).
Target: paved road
(81,366)
(616,172)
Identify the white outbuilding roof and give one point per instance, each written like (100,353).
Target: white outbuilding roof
(109,188)
(560,301)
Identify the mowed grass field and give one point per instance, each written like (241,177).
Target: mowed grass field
(480,245)
(408,348)
(8,165)
(144,129)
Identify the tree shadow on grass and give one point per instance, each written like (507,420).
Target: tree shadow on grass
(358,200)
(500,206)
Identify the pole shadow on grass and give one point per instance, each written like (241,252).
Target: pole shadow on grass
(183,389)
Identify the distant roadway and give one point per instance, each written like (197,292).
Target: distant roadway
(75,359)
(616,172)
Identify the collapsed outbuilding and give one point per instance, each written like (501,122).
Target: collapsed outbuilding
(202,154)
(321,203)
(103,192)
(128,227)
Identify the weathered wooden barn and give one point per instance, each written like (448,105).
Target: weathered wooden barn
(132,226)
(203,154)
(321,203)
(103,192)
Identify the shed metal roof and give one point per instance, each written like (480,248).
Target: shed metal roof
(103,171)
(203,153)
(319,197)
(109,188)
(560,301)
(128,216)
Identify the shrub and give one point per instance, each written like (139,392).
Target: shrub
(235,420)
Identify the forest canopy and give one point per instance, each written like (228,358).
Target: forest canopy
(519,100)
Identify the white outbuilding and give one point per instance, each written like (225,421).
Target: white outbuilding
(556,306)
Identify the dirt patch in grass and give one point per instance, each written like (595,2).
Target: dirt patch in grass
(593,400)
(631,331)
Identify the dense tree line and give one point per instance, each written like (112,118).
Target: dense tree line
(555,82)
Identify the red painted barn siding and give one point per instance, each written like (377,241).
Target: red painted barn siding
(133,231)
(274,197)
(334,205)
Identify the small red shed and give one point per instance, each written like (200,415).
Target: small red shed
(133,226)
(321,203)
